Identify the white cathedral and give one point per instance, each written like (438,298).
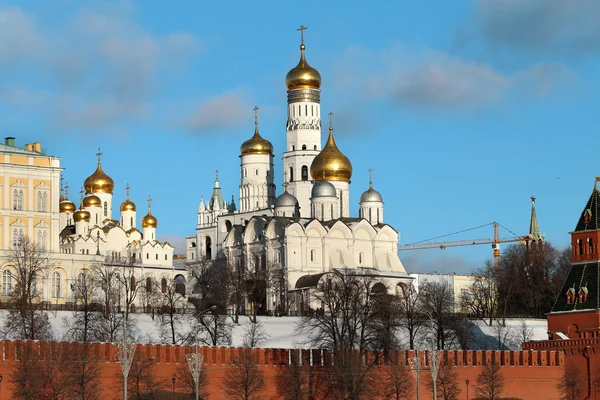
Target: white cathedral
(307,230)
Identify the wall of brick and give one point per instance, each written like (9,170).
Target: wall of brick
(529,374)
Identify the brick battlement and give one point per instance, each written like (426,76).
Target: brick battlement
(519,368)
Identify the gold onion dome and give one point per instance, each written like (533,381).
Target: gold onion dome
(128,205)
(303,76)
(92,201)
(149,221)
(331,164)
(67,206)
(256,144)
(81,215)
(99,182)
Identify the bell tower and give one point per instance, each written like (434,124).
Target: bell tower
(303,128)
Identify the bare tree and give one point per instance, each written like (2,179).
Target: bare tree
(169,299)
(210,328)
(523,333)
(482,296)
(490,382)
(237,282)
(447,383)
(570,383)
(30,265)
(84,375)
(348,324)
(243,380)
(142,381)
(463,330)
(130,283)
(184,378)
(28,375)
(397,381)
(302,381)
(255,335)
(504,336)
(412,318)
(85,321)
(437,302)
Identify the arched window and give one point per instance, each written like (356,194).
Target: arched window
(180,285)
(131,221)
(315,147)
(6,283)
(304,173)
(45,202)
(15,199)
(163,285)
(341,204)
(148,285)
(132,282)
(580,245)
(20,203)
(21,237)
(39,201)
(105,209)
(303,147)
(360,258)
(208,248)
(312,255)
(56,285)
(291,174)
(590,246)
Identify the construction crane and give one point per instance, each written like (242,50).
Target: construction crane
(495,242)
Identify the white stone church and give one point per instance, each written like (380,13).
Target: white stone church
(307,230)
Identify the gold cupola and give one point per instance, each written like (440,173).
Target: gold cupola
(127,205)
(81,215)
(303,76)
(99,182)
(66,205)
(92,201)
(256,144)
(149,221)
(331,164)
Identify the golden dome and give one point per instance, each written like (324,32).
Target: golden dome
(331,164)
(128,205)
(67,206)
(99,182)
(92,201)
(303,76)
(81,215)
(149,221)
(256,144)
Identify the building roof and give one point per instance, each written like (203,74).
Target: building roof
(590,216)
(581,276)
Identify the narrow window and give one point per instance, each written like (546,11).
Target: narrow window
(580,243)
(303,147)
(291,174)
(157,256)
(148,284)
(132,282)
(163,285)
(6,283)
(56,285)
(147,256)
(312,255)
(105,209)
(45,202)
(20,205)
(360,260)
(304,173)
(590,246)
(131,221)
(15,199)
(315,146)
(39,201)
(341,205)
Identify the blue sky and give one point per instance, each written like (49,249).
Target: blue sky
(464,109)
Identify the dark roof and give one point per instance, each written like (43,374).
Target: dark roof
(590,216)
(67,231)
(309,281)
(581,276)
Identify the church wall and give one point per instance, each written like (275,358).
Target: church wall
(527,374)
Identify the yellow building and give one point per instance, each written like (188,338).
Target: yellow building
(29,181)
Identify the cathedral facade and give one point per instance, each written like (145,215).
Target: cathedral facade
(307,231)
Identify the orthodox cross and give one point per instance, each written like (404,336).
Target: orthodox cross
(67,191)
(217,173)
(330,119)
(81,193)
(255,115)
(371,177)
(149,202)
(127,190)
(99,154)
(533,199)
(61,185)
(302,29)
(285,182)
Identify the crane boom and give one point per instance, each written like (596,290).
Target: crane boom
(495,242)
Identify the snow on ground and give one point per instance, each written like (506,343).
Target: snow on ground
(282,331)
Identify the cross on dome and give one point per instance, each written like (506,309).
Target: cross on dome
(149,202)
(127,190)
(67,191)
(532,199)
(99,155)
(81,193)
(302,29)
(371,178)
(255,109)
(330,120)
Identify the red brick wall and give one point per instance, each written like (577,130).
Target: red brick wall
(528,374)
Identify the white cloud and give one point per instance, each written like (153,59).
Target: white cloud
(96,71)
(425,79)
(547,26)
(224,111)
